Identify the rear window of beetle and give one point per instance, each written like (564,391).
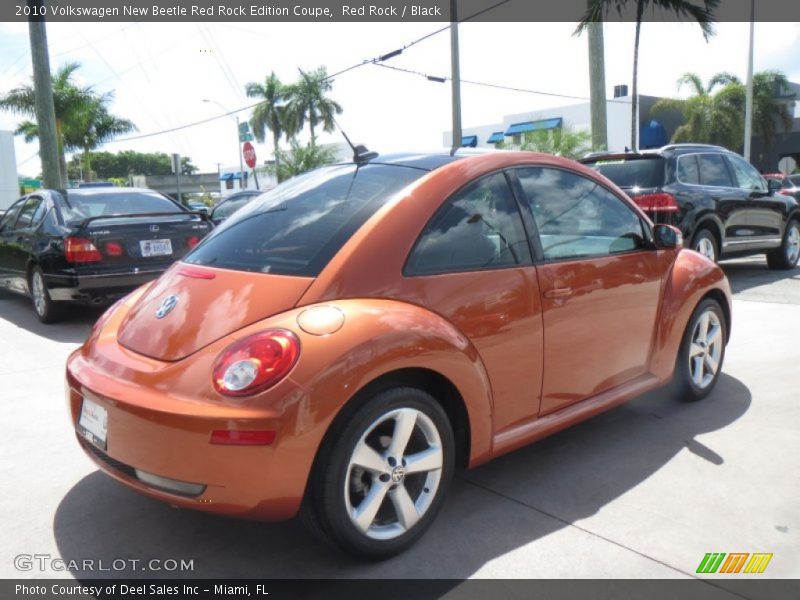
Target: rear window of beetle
(296,228)
(632,172)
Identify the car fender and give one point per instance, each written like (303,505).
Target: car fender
(706,218)
(379,337)
(691,278)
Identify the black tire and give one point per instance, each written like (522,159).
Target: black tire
(338,488)
(787,255)
(46,309)
(688,386)
(705,242)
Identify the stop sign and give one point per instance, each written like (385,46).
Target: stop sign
(249,154)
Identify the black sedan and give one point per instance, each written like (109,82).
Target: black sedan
(231,204)
(91,245)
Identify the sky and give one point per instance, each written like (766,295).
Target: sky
(160,73)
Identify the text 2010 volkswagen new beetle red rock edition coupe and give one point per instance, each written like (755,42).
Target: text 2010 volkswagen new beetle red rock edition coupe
(340,344)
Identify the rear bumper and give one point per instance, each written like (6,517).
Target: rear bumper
(100,287)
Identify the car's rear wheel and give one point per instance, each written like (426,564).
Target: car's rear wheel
(706,244)
(45,307)
(787,255)
(702,352)
(381,476)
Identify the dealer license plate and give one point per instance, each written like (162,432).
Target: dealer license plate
(93,423)
(156,247)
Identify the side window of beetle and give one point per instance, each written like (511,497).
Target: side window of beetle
(478,228)
(576,217)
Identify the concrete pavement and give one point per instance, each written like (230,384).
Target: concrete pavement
(644,490)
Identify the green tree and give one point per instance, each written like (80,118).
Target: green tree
(301,158)
(108,165)
(271,114)
(598,10)
(308,103)
(82,117)
(561,141)
(709,118)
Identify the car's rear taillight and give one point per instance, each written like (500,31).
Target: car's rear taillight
(785,192)
(113,249)
(661,202)
(192,242)
(256,363)
(81,250)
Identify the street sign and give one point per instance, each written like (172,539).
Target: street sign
(249,154)
(176,163)
(244,127)
(246,137)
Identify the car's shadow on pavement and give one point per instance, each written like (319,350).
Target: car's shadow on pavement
(752,272)
(489,512)
(74,328)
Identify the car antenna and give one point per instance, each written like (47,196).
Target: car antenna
(361,154)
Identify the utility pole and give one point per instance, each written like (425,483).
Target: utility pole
(748,103)
(239,151)
(597,86)
(455,76)
(45,109)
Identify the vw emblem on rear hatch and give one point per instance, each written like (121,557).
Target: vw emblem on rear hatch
(166,306)
(154,228)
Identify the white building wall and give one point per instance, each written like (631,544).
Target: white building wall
(9,185)
(576,116)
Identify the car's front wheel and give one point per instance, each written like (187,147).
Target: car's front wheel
(702,352)
(46,309)
(787,255)
(381,476)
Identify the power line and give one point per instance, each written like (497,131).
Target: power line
(445,78)
(376,61)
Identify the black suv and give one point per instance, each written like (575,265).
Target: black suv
(723,206)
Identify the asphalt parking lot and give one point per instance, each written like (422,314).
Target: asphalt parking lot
(644,490)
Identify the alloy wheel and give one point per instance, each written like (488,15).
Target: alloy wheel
(793,244)
(39,293)
(706,247)
(393,474)
(706,349)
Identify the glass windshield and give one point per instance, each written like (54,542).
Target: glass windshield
(297,227)
(630,172)
(81,206)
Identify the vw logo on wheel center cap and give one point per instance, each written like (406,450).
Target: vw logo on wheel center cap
(166,306)
(398,473)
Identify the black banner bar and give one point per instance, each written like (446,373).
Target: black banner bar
(360,10)
(389,589)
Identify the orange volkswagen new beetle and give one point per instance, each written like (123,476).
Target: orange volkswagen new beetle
(342,343)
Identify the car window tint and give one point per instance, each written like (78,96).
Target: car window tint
(688,171)
(746,176)
(229,207)
(25,219)
(297,227)
(577,217)
(787,183)
(632,172)
(94,204)
(713,170)
(478,228)
(8,220)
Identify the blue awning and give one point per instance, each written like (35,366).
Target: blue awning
(534,126)
(469,141)
(497,136)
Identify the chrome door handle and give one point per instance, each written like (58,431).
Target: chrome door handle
(558,292)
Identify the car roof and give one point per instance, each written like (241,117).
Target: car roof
(428,161)
(103,191)
(669,149)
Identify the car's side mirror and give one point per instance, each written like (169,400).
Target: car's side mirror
(773,185)
(667,236)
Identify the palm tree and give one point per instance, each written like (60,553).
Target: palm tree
(82,118)
(599,9)
(561,141)
(271,114)
(94,127)
(299,159)
(768,110)
(308,103)
(708,118)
